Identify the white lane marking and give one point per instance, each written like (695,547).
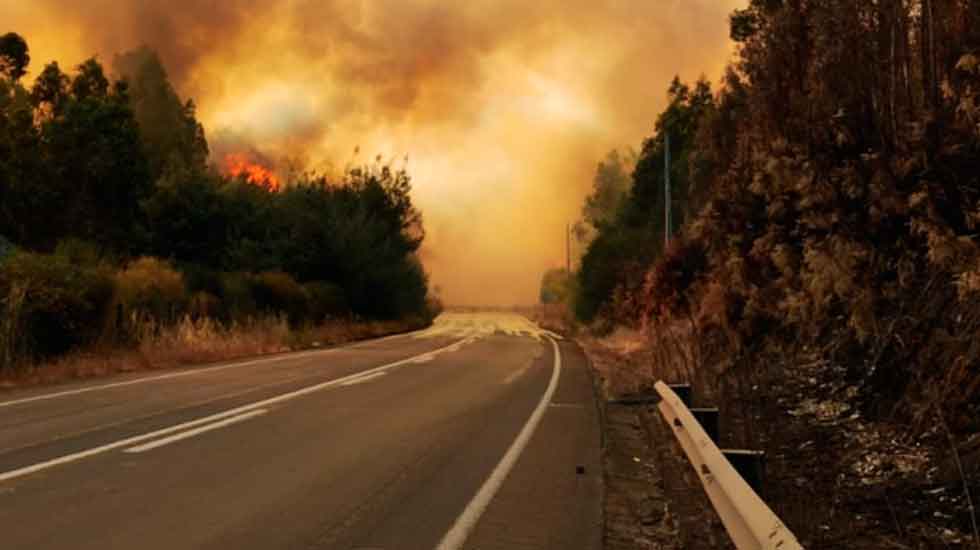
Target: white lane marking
(5,476)
(461,529)
(364,379)
(515,375)
(191,433)
(300,355)
(286,357)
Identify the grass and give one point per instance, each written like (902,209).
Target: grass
(198,341)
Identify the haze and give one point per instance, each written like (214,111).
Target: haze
(502,108)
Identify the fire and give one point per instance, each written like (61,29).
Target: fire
(239,164)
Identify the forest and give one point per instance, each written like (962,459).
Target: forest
(824,257)
(824,195)
(114,218)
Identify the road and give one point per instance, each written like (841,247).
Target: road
(478,433)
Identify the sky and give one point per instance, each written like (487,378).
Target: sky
(499,109)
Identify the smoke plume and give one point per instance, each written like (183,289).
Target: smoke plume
(503,107)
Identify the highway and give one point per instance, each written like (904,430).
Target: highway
(478,433)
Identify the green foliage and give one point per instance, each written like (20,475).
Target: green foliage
(79,252)
(557,287)
(189,221)
(51,305)
(631,227)
(610,188)
(172,137)
(113,175)
(326,301)
(237,300)
(277,292)
(603,266)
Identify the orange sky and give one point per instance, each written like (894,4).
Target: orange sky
(503,107)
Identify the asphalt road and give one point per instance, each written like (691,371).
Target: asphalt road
(480,433)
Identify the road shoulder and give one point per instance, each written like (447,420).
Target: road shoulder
(552,499)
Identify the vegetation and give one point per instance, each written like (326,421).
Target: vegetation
(111,219)
(823,281)
(627,218)
(826,199)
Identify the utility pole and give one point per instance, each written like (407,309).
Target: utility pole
(568,249)
(667,205)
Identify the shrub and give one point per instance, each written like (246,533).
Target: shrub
(50,306)
(204,305)
(149,287)
(237,301)
(201,279)
(78,252)
(6,249)
(326,300)
(277,292)
(668,283)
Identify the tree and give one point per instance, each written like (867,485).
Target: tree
(557,287)
(14,56)
(99,169)
(631,224)
(50,90)
(90,81)
(172,137)
(610,187)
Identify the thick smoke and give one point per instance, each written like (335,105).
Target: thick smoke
(503,106)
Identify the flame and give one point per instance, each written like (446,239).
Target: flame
(240,165)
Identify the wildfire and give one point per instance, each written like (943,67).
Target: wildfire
(239,164)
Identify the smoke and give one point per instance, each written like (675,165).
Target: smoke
(504,107)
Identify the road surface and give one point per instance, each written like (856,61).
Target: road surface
(478,433)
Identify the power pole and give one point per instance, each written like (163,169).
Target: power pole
(568,249)
(667,205)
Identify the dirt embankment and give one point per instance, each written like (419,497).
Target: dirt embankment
(837,479)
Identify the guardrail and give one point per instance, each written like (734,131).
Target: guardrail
(750,523)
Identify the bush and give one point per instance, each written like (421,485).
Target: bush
(7,249)
(50,306)
(326,300)
(277,292)
(78,252)
(201,279)
(237,301)
(670,280)
(151,288)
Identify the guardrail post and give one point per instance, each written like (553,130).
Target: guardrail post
(708,418)
(684,392)
(751,465)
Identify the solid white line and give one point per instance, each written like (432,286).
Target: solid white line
(26,470)
(364,379)
(203,429)
(456,537)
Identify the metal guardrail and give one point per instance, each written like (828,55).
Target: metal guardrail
(750,523)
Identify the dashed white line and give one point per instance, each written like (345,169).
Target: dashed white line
(26,470)
(515,375)
(363,379)
(191,433)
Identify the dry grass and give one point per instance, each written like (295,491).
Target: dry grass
(632,360)
(199,341)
